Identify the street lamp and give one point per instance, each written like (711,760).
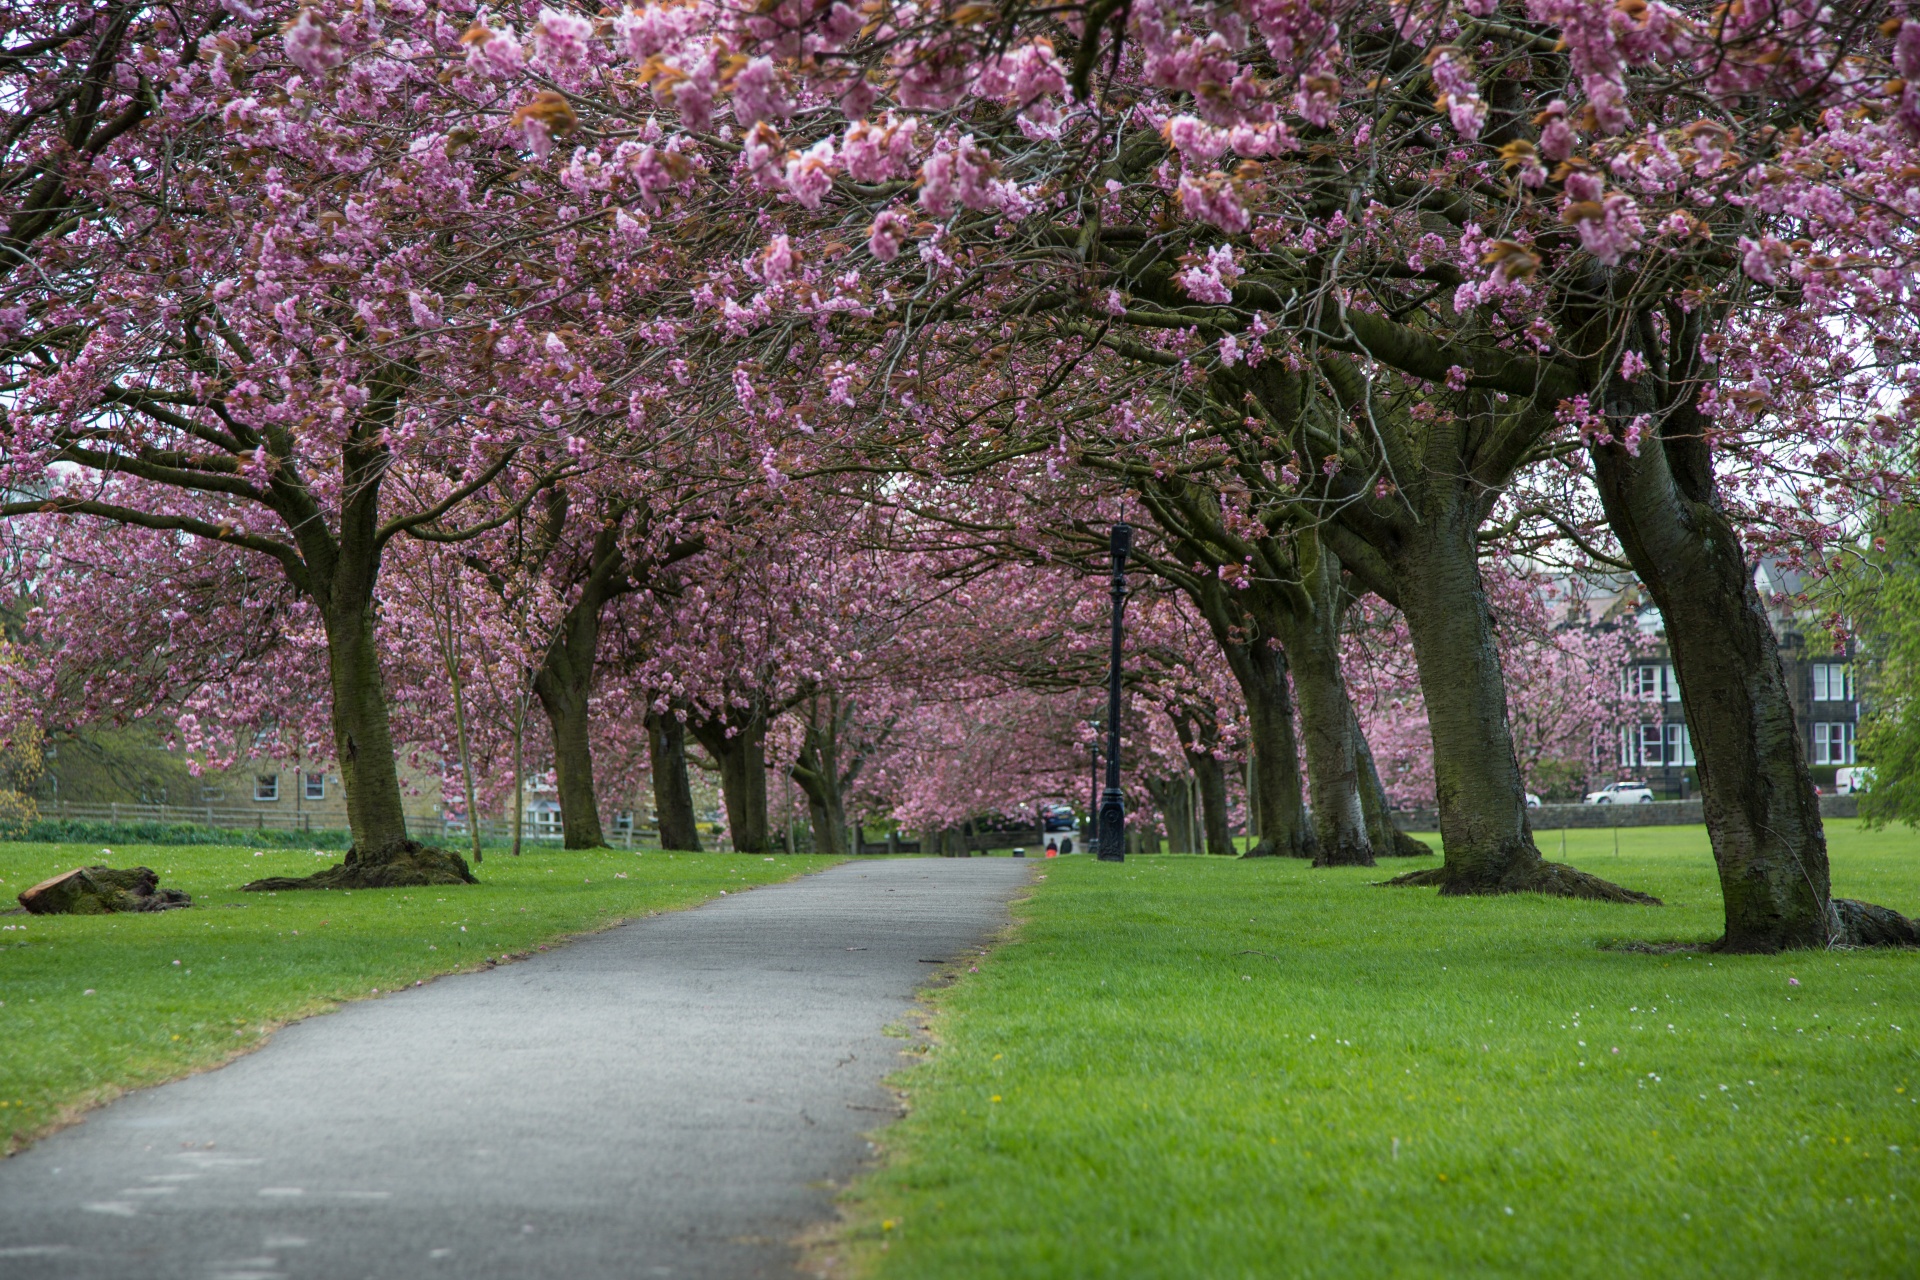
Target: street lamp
(1113,804)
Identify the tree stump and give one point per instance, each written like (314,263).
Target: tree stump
(99,891)
(401,864)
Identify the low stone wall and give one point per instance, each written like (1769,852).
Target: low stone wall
(1661,813)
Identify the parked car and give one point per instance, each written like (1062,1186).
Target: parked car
(1533,801)
(1852,780)
(1059,817)
(1621,793)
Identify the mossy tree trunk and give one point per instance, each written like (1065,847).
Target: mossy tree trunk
(672,792)
(1389,841)
(821,773)
(737,743)
(1763,815)
(1199,735)
(1311,636)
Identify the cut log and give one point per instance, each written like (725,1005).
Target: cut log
(99,891)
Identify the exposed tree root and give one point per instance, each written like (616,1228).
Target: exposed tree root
(400,864)
(1343,855)
(1404,846)
(1862,924)
(1554,879)
(1268,847)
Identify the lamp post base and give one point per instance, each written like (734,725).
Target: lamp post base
(1113,826)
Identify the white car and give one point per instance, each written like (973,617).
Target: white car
(1853,780)
(1621,793)
(1533,801)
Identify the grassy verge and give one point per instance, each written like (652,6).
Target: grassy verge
(1187,1066)
(92,1005)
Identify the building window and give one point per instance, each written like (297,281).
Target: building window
(1650,739)
(316,786)
(1833,742)
(1643,682)
(1626,747)
(1832,682)
(209,792)
(266,786)
(1672,693)
(1679,745)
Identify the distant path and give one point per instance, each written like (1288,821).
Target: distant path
(667,1099)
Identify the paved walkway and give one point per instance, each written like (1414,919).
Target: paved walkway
(669,1099)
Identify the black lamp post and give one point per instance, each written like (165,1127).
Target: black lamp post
(1113,803)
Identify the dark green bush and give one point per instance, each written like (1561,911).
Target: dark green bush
(82,831)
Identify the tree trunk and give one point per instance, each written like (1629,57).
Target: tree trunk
(466,755)
(742,758)
(1173,798)
(1210,780)
(1763,815)
(1484,831)
(362,740)
(1249,641)
(672,794)
(1389,841)
(1284,830)
(817,770)
(1312,640)
(564,697)
(382,856)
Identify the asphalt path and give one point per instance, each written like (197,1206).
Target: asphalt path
(677,1097)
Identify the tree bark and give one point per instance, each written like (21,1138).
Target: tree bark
(672,794)
(817,770)
(362,740)
(563,696)
(1483,809)
(1250,643)
(742,757)
(1763,815)
(1312,641)
(1389,841)
(1170,797)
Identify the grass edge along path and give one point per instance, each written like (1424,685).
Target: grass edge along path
(94,1006)
(1190,1066)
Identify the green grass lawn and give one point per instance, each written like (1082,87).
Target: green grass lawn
(1195,1067)
(92,1005)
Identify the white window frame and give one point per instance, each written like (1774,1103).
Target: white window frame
(1833,742)
(1652,744)
(313,786)
(1679,744)
(1832,682)
(1627,747)
(266,787)
(1643,682)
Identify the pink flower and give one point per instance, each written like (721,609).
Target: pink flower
(312,46)
(957,173)
(1212,279)
(1632,365)
(1765,259)
(889,231)
(809,175)
(560,40)
(758,94)
(1213,199)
